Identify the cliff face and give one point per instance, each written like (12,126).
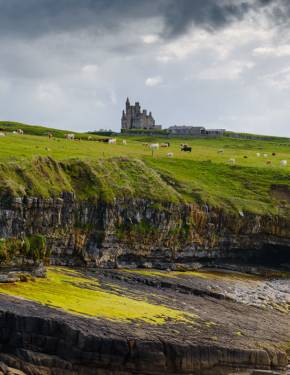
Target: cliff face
(139,232)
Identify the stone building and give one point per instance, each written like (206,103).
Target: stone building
(184,130)
(135,118)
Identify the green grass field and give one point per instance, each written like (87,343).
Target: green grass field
(202,176)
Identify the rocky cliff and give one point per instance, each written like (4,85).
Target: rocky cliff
(140,232)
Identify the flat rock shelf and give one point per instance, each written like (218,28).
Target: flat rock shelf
(145,322)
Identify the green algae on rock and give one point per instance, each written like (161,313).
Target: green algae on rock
(77,294)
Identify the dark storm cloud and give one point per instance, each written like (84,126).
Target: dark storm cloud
(33,18)
(208,14)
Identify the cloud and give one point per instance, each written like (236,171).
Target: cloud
(153,81)
(150,38)
(279,80)
(230,71)
(90,69)
(277,51)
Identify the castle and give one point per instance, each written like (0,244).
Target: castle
(134,118)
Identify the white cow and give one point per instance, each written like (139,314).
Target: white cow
(170,154)
(112,141)
(70,136)
(2,134)
(124,142)
(20,131)
(154,146)
(258,154)
(283,163)
(232,161)
(265,155)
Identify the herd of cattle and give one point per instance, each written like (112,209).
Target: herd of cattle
(232,161)
(153,146)
(183,147)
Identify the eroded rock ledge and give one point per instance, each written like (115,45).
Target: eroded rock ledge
(141,232)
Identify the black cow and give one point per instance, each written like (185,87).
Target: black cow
(185,148)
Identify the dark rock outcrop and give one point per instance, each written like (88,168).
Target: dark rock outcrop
(141,232)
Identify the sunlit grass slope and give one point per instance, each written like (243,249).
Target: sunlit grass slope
(10,126)
(74,293)
(28,146)
(38,166)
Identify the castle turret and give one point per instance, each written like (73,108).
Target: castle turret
(127,105)
(124,123)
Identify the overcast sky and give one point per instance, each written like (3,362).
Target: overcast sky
(217,63)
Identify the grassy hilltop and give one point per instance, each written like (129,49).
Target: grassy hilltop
(93,168)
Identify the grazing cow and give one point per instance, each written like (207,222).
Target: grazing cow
(265,155)
(170,154)
(165,144)
(273,153)
(220,151)
(50,135)
(70,136)
(145,144)
(154,147)
(90,138)
(112,141)
(268,162)
(124,142)
(232,161)
(185,148)
(258,154)
(283,163)
(20,131)
(245,157)
(2,134)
